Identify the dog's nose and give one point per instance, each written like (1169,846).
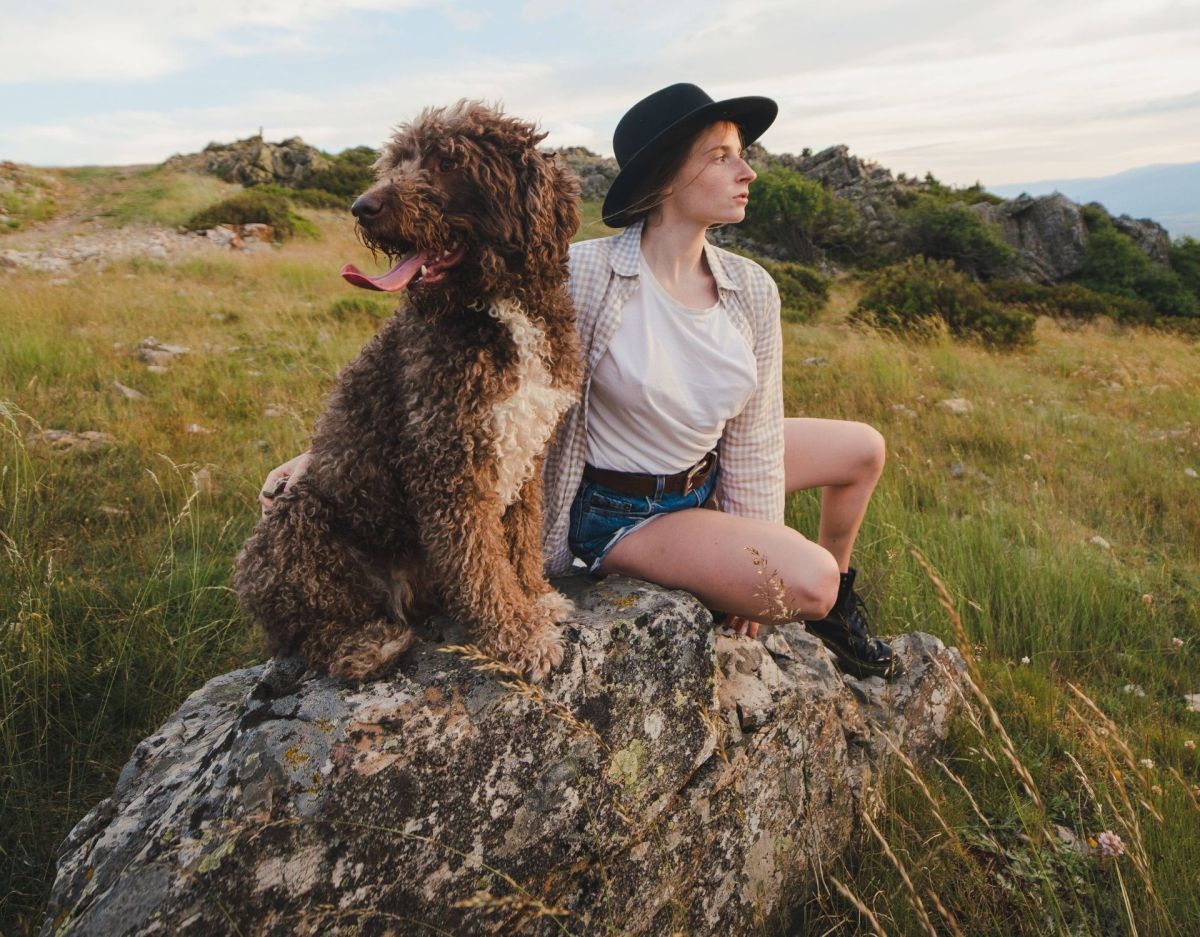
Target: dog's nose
(366,206)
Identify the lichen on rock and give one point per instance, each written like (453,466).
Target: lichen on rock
(669,778)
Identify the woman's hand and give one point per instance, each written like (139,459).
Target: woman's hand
(282,478)
(742,626)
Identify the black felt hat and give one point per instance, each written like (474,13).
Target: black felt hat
(657,121)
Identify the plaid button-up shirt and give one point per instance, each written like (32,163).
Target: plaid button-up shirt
(604,275)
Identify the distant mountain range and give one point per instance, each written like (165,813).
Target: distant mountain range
(1168,193)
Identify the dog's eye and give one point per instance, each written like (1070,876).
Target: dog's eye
(446,164)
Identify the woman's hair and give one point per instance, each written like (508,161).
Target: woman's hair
(653,189)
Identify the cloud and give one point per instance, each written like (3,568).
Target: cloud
(1167,105)
(1000,91)
(78,40)
(333,119)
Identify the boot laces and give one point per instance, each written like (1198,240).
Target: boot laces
(855,618)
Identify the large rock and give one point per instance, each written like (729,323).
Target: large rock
(671,779)
(870,187)
(254,161)
(1147,234)
(1047,232)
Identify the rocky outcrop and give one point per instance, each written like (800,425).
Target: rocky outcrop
(595,172)
(254,161)
(868,186)
(1149,235)
(1047,232)
(667,778)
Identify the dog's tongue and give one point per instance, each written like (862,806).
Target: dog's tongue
(394,280)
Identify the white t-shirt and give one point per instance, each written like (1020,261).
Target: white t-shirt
(667,383)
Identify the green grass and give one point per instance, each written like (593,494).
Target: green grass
(1015,551)
(114,565)
(27,196)
(151,195)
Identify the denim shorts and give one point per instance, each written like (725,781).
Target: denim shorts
(601,516)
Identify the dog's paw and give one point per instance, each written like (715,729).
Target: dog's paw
(557,605)
(541,654)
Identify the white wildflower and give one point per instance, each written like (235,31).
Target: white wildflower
(1110,844)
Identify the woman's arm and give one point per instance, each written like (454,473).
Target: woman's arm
(752,475)
(279,479)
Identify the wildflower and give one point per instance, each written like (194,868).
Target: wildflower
(1146,763)
(1134,689)
(1177,643)
(1155,789)
(1024,660)
(1147,599)
(1190,744)
(1110,844)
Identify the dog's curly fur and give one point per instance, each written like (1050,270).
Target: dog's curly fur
(424,485)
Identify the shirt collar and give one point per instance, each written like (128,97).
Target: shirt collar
(628,245)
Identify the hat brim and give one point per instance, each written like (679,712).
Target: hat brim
(753,114)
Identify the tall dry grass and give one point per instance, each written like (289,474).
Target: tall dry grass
(114,599)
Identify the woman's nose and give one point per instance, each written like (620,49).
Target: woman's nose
(748,172)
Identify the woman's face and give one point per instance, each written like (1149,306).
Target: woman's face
(713,186)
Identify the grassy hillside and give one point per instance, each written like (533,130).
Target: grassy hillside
(1061,512)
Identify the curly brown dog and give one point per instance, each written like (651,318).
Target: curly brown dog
(424,486)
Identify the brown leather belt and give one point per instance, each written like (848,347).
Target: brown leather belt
(636,483)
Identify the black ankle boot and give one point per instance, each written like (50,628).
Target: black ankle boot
(844,631)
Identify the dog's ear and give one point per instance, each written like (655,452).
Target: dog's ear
(551,207)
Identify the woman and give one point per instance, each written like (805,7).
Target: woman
(682,405)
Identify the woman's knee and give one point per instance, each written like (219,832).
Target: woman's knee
(817,591)
(810,577)
(873,450)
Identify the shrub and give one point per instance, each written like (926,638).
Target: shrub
(802,217)
(1185,261)
(1095,217)
(319,198)
(254,206)
(920,296)
(1069,300)
(347,178)
(933,187)
(1078,302)
(803,291)
(1035,296)
(1113,263)
(952,231)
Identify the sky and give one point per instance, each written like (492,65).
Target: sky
(969,90)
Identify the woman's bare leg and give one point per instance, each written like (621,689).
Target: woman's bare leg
(845,459)
(706,553)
